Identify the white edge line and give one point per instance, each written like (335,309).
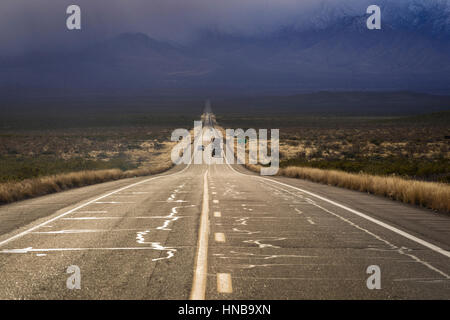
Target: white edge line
(201,260)
(362,215)
(23,233)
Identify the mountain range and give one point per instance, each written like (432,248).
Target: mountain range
(330,50)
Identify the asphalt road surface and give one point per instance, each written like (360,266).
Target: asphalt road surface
(220,232)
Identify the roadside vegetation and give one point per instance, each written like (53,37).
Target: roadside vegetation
(28,188)
(409,151)
(39,162)
(432,195)
(418,169)
(405,159)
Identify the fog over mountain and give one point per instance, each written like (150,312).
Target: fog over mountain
(301,46)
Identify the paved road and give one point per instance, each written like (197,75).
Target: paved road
(269,238)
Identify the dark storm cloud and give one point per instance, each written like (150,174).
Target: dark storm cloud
(40,24)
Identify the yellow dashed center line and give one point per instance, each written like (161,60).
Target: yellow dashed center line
(219,237)
(224,283)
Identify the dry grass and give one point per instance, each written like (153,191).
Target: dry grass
(431,195)
(29,188)
(142,151)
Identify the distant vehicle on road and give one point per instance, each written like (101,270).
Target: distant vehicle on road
(217,154)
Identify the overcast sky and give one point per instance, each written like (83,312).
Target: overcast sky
(40,24)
